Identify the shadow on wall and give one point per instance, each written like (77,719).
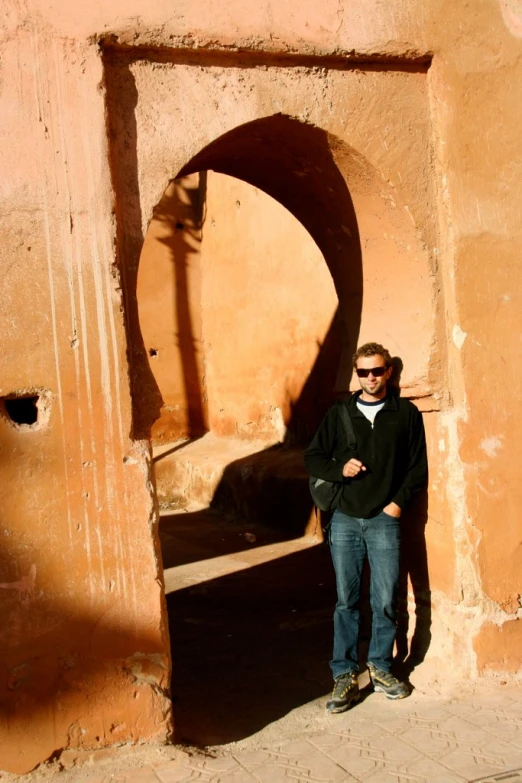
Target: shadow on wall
(237,316)
(414,568)
(179,217)
(70,671)
(123,158)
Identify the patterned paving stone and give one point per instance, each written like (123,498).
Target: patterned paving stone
(176,773)
(399,725)
(213,765)
(325,768)
(97,779)
(474,763)
(432,742)
(277,774)
(466,730)
(362,762)
(511,776)
(490,719)
(237,775)
(394,749)
(498,711)
(430,713)
(510,732)
(253,758)
(294,748)
(396,723)
(199,768)
(511,756)
(387,776)
(137,776)
(363,729)
(431,771)
(313,765)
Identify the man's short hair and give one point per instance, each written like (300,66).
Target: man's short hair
(372,349)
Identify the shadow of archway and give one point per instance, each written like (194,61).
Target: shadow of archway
(294,164)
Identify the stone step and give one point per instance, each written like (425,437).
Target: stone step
(264,484)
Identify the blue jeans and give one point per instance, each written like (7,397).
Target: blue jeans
(351,540)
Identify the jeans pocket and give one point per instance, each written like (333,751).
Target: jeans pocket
(390,516)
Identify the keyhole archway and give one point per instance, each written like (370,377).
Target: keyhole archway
(332,191)
(293,164)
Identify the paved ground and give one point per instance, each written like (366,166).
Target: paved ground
(469,737)
(250,616)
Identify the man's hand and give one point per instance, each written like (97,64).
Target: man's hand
(353,468)
(393,510)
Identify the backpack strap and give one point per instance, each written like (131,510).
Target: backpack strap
(348,426)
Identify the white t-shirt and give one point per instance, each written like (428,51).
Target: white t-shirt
(370,409)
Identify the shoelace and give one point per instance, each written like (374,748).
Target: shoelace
(390,679)
(343,685)
(386,677)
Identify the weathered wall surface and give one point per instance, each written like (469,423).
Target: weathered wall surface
(83,640)
(84,647)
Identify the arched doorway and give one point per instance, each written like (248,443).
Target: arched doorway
(323,182)
(306,170)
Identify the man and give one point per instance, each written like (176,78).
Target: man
(379,477)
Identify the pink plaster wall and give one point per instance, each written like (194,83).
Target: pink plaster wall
(84,646)
(84,639)
(263,299)
(268,300)
(169,296)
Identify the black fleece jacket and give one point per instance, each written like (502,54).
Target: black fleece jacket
(393,452)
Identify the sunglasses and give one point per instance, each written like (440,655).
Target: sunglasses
(377,372)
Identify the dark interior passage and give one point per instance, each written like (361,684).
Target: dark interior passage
(252,642)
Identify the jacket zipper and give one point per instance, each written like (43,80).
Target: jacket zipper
(373,435)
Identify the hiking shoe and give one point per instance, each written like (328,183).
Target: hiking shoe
(387,683)
(345,692)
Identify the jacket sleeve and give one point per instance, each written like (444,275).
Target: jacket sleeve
(417,469)
(318,457)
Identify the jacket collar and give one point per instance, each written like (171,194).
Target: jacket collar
(390,403)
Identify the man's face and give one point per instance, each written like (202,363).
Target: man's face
(374,386)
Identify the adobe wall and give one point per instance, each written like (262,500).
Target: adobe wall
(414,100)
(236,301)
(84,645)
(262,300)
